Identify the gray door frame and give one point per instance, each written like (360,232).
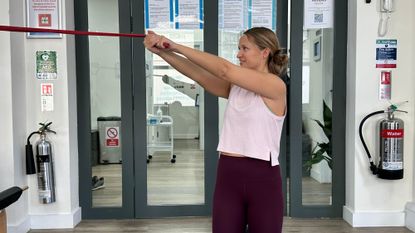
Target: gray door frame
(84,116)
(297,209)
(282,34)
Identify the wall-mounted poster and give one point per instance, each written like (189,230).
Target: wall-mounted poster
(43,14)
(318,14)
(262,13)
(386,53)
(231,15)
(189,14)
(159,14)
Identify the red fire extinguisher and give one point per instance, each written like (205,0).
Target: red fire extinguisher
(391,138)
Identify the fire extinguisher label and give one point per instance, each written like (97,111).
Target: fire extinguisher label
(392,149)
(392,166)
(44,194)
(392,133)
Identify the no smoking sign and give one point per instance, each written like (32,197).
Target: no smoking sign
(112,137)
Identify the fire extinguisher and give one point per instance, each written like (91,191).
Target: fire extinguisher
(44,162)
(391,137)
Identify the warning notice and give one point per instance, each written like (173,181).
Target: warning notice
(386,51)
(43,14)
(112,137)
(46,97)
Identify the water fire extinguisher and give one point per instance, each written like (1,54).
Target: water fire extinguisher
(44,162)
(391,135)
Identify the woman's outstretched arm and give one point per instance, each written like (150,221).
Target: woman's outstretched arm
(265,84)
(207,80)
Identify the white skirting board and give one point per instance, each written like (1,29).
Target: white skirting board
(56,221)
(22,226)
(410,216)
(374,219)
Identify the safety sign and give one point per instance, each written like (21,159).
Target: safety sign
(43,14)
(46,97)
(385,85)
(386,51)
(112,138)
(46,66)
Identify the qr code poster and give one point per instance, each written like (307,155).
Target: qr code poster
(318,14)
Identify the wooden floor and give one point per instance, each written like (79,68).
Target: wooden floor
(169,183)
(203,225)
(182,183)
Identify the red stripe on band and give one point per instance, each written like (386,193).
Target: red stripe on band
(72,32)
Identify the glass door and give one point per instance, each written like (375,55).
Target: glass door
(317,105)
(148,135)
(175,161)
(104,110)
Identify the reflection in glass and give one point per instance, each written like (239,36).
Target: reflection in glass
(106,157)
(175,138)
(317,99)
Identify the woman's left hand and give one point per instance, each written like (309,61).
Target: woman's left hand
(150,42)
(156,43)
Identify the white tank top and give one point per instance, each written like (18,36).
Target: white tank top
(250,128)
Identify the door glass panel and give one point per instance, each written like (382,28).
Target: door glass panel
(106,152)
(175,112)
(317,105)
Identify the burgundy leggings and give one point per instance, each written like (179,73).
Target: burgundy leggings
(248,191)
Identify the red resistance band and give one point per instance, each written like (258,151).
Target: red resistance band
(29,29)
(72,32)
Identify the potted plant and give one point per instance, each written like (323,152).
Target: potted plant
(323,150)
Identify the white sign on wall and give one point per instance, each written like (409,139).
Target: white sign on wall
(43,14)
(318,14)
(46,97)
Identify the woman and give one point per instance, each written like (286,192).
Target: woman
(248,186)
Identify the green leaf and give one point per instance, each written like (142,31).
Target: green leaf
(326,130)
(327,116)
(323,150)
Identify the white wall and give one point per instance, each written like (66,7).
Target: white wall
(65,212)
(410,207)
(12,120)
(20,115)
(5,99)
(371,201)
